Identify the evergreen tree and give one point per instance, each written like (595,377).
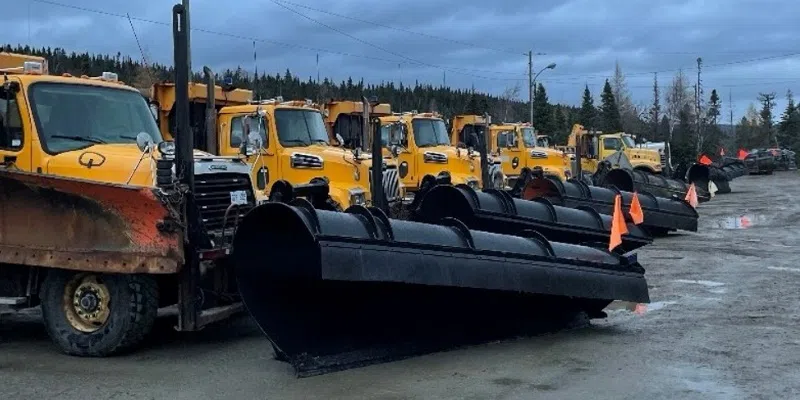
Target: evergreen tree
(714,107)
(663,130)
(542,113)
(655,110)
(766,134)
(789,127)
(609,113)
(588,112)
(683,136)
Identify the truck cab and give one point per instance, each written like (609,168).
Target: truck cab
(596,146)
(467,132)
(97,226)
(422,148)
(98,129)
(518,148)
(344,120)
(293,144)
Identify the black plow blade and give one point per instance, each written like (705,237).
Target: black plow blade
(497,211)
(337,290)
(661,214)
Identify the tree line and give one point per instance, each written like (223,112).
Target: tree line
(687,120)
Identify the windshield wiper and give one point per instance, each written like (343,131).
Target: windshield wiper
(80,138)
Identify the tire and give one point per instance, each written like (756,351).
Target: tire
(132,305)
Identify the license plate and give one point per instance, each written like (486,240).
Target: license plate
(239,197)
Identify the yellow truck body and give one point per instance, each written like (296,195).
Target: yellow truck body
(516,146)
(465,131)
(296,146)
(596,146)
(424,149)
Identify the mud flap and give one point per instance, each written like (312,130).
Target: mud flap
(57,222)
(336,290)
(496,211)
(660,214)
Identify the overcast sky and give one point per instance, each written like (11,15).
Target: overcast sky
(746,46)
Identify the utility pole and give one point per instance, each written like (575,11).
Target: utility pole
(444,79)
(699,107)
(530,83)
(730,106)
(319,85)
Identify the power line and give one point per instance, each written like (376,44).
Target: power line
(260,40)
(381,48)
(394,28)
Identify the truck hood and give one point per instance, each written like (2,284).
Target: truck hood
(112,163)
(651,155)
(116,163)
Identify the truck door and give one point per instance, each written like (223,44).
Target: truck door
(15,131)
(406,164)
(263,163)
(511,159)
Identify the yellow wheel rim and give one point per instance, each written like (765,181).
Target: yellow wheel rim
(86,302)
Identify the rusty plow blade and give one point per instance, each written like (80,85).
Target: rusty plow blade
(337,290)
(49,221)
(630,180)
(497,211)
(661,214)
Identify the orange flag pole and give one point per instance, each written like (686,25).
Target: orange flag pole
(691,196)
(618,225)
(636,212)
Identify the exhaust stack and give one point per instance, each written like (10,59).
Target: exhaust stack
(211,111)
(376,185)
(483,144)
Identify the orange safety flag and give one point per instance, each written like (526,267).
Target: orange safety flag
(742,154)
(705,160)
(691,196)
(618,225)
(636,210)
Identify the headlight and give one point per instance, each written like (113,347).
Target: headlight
(473,184)
(167,148)
(357,199)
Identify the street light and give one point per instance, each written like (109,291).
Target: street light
(532,89)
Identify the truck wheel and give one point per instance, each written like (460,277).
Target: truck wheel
(97,315)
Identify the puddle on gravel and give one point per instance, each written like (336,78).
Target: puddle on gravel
(744,221)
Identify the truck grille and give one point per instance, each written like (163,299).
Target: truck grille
(433,157)
(300,160)
(391,184)
(213,197)
(663,160)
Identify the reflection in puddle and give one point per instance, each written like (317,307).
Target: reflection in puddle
(642,308)
(743,221)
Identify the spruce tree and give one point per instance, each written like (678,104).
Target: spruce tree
(609,113)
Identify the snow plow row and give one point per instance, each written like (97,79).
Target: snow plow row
(345,289)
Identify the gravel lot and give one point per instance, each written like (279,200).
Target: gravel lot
(724,324)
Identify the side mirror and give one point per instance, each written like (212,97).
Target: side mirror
(144,142)
(357,152)
(339,140)
(395,149)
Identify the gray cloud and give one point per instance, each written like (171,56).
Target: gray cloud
(746,45)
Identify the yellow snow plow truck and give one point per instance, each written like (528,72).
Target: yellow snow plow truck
(329,289)
(597,146)
(469,132)
(291,144)
(518,147)
(102,222)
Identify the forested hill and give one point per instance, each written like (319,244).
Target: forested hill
(553,119)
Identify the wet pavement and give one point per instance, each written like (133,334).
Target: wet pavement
(724,323)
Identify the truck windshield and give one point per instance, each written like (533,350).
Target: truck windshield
(74,116)
(299,128)
(528,137)
(628,141)
(430,132)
